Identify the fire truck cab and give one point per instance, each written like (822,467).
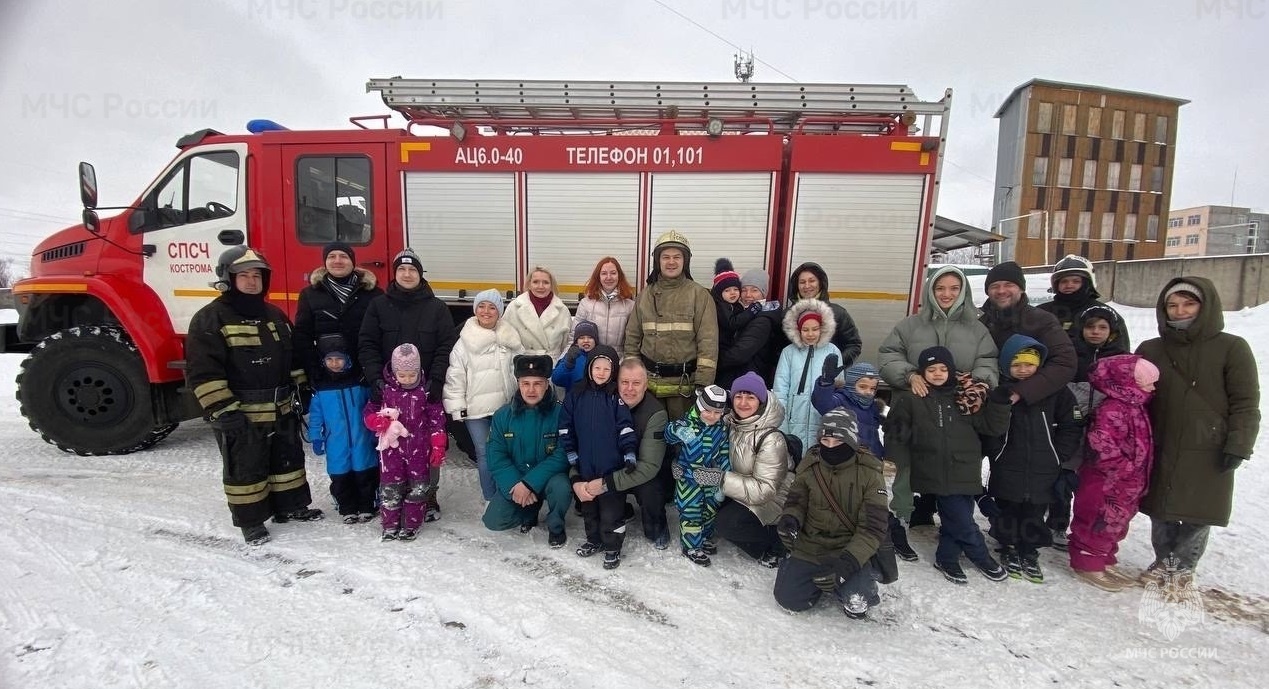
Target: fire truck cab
(485,180)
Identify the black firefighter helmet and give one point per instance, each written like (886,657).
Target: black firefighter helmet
(236,260)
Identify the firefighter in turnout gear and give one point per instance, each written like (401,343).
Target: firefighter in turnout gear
(238,363)
(674,328)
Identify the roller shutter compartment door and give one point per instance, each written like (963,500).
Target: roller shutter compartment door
(722,214)
(462,224)
(863,229)
(576,219)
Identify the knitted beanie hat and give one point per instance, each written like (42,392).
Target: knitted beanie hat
(862,369)
(724,276)
(339,246)
(936,355)
(1026,355)
(586,328)
(711,398)
(407,257)
(811,315)
(405,359)
(751,383)
(1145,374)
(1007,272)
(490,295)
(841,423)
(1188,287)
(756,277)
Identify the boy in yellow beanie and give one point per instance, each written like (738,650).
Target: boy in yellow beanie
(1026,462)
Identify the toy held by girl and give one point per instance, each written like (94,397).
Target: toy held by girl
(809,324)
(703,461)
(412,442)
(335,429)
(1116,468)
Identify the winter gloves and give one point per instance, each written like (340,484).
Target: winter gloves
(704,476)
(1067,482)
(319,447)
(435,391)
(844,566)
(570,357)
(630,461)
(1230,462)
(376,391)
(708,476)
(1001,394)
(831,368)
(787,527)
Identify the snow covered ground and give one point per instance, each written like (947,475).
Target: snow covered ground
(126,572)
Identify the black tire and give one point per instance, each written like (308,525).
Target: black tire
(85,390)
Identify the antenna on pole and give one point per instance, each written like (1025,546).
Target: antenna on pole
(744,66)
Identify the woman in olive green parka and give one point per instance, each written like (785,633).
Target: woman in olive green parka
(1205,415)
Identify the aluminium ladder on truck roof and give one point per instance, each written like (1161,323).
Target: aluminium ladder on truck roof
(532,105)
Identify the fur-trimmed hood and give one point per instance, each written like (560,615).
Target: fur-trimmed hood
(367,279)
(794,312)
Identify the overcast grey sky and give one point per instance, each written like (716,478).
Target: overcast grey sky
(117,83)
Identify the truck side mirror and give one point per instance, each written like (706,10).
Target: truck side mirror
(92,223)
(87,185)
(137,221)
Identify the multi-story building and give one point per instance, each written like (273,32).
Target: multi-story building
(1216,231)
(1083,170)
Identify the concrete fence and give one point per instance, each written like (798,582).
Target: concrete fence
(1243,281)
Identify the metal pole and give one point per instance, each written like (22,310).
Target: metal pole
(1046,238)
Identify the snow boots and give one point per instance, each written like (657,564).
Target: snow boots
(255,535)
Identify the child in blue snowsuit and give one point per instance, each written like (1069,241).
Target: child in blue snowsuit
(598,436)
(702,461)
(335,429)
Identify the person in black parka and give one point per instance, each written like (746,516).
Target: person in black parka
(1074,290)
(408,312)
(809,281)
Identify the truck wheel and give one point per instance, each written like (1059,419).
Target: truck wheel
(85,390)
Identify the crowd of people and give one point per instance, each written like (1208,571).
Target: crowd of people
(752,416)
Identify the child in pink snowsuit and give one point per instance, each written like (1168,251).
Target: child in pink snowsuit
(410,448)
(1116,470)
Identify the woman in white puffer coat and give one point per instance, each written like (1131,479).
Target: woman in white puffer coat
(479,381)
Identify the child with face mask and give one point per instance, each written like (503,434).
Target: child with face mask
(859,395)
(829,554)
(942,446)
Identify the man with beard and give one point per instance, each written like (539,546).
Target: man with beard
(1006,312)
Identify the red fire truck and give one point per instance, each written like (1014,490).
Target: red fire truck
(485,180)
